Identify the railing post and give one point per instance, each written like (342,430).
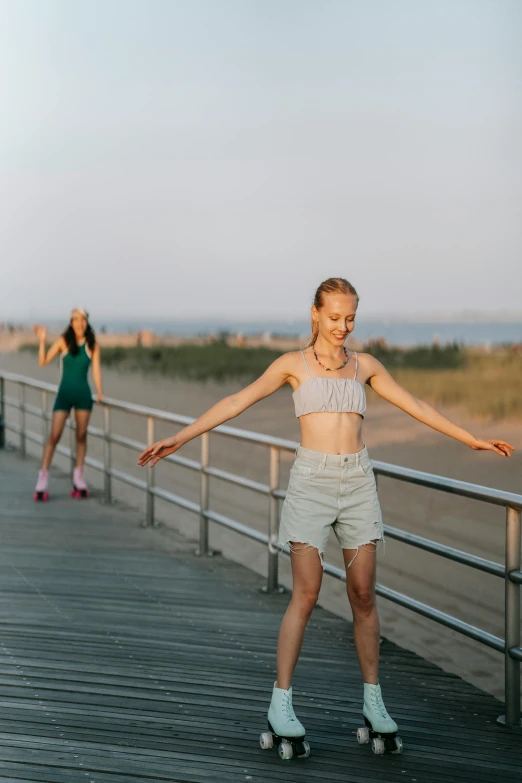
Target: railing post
(107,454)
(150,475)
(272,584)
(21,418)
(45,423)
(204,495)
(512,620)
(2,414)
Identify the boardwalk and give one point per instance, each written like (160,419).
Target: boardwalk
(125,658)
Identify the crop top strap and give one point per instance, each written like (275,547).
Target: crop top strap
(306,363)
(356,366)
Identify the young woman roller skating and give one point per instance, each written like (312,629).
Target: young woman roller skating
(332,485)
(78,349)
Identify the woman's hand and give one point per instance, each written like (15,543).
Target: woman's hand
(40,332)
(158,450)
(498,446)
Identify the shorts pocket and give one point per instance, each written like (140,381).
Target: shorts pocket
(304,469)
(365,468)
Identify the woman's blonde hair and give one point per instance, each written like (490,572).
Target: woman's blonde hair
(334,285)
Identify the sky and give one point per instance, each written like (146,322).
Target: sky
(198,158)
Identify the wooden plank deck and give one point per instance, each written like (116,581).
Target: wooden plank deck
(123,657)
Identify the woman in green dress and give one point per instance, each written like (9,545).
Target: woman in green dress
(78,350)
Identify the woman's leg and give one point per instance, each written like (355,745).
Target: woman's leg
(360,584)
(307,574)
(57,424)
(360,580)
(82,422)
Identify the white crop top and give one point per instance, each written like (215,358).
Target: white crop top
(330,395)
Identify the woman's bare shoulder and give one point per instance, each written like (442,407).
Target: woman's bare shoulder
(369,366)
(367,358)
(292,359)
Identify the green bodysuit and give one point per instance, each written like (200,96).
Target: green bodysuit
(74,390)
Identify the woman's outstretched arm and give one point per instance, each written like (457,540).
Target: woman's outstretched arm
(57,347)
(228,408)
(381,381)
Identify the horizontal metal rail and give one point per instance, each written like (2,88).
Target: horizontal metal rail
(511,572)
(457,555)
(497,497)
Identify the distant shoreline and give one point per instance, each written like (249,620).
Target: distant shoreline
(463,317)
(399,332)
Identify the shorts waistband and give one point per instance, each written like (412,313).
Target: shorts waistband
(320,458)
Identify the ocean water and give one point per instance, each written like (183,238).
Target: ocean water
(395,332)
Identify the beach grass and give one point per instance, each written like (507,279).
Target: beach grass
(220,361)
(217,362)
(485,385)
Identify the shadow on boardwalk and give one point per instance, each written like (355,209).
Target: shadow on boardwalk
(126,658)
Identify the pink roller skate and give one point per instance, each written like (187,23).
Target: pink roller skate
(80,489)
(40,491)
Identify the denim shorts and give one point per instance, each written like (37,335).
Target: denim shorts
(331,491)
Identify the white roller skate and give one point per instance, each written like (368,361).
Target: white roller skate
(80,489)
(380,728)
(284,728)
(40,491)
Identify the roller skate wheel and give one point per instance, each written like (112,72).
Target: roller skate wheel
(378,746)
(266,740)
(398,745)
(304,751)
(286,750)
(74,494)
(363,735)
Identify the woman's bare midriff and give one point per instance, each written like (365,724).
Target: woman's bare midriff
(332,433)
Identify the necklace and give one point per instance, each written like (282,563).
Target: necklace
(333,369)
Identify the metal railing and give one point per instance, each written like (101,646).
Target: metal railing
(510,572)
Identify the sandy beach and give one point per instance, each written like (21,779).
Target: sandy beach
(391,436)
